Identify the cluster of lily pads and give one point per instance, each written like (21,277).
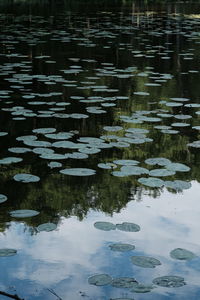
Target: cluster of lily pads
(131,283)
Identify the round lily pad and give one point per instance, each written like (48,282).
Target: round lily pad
(169,281)
(3,198)
(106,226)
(10,160)
(121,247)
(126,162)
(108,166)
(100,279)
(182,254)
(124,282)
(161,161)
(145,261)
(26,178)
(78,172)
(142,288)
(24,213)
(151,181)
(133,170)
(129,227)
(177,167)
(7,252)
(161,172)
(178,184)
(47,227)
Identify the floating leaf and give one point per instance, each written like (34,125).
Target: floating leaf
(178,167)
(106,226)
(124,282)
(108,166)
(47,227)
(129,227)
(161,161)
(126,162)
(169,281)
(10,160)
(100,279)
(121,247)
(3,198)
(142,288)
(151,181)
(133,170)
(145,261)
(78,172)
(182,254)
(7,252)
(26,178)
(161,172)
(24,213)
(178,184)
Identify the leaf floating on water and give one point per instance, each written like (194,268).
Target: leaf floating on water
(182,254)
(151,181)
(145,261)
(142,288)
(54,164)
(3,198)
(78,172)
(129,227)
(126,162)
(26,178)
(7,252)
(178,184)
(121,247)
(112,128)
(161,161)
(24,213)
(178,167)
(108,166)
(44,130)
(169,281)
(106,226)
(124,282)
(100,280)
(47,227)
(10,160)
(161,172)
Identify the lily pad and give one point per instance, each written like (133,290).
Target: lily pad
(161,172)
(78,172)
(129,227)
(100,279)
(151,181)
(126,162)
(121,247)
(178,184)
(3,198)
(169,281)
(161,161)
(178,167)
(142,288)
(7,252)
(145,261)
(24,213)
(10,160)
(182,254)
(47,227)
(105,226)
(133,170)
(26,178)
(124,282)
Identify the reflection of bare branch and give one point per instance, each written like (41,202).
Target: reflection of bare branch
(10,296)
(54,293)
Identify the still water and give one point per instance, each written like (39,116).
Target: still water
(99,164)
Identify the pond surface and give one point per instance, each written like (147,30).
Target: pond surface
(99,164)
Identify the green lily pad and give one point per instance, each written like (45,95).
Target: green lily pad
(145,261)
(112,128)
(178,167)
(19,150)
(182,254)
(161,161)
(133,170)
(54,164)
(161,172)
(124,282)
(44,130)
(121,247)
(3,198)
(26,178)
(78,172)
(126,162)
(108,166)
(24,213)
(142,288)
(10,160)
(178,184)
(169,281)
(105,226)
(151,181)
(47,227)
(129,227)
(195,144)
(100,279)
(7,252)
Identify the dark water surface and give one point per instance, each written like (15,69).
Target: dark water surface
(111,86)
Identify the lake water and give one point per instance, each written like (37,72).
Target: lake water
(99,125)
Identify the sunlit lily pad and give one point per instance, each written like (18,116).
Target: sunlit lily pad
(133,170)
(142,288)
(54,164)
(44,130)
(24,213)
(151,181)
(129,227)
(182,254)
(145,261)
(26,178)
(169,281)
(108,166)
(161,172)
(47,227)
(124,282)
(105,226)
(100,279)
(7,252)
(121,247)
(78,172)
(178,167)
(19,150)
(10,160)
(178,184)
(161,161)
(126,162)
